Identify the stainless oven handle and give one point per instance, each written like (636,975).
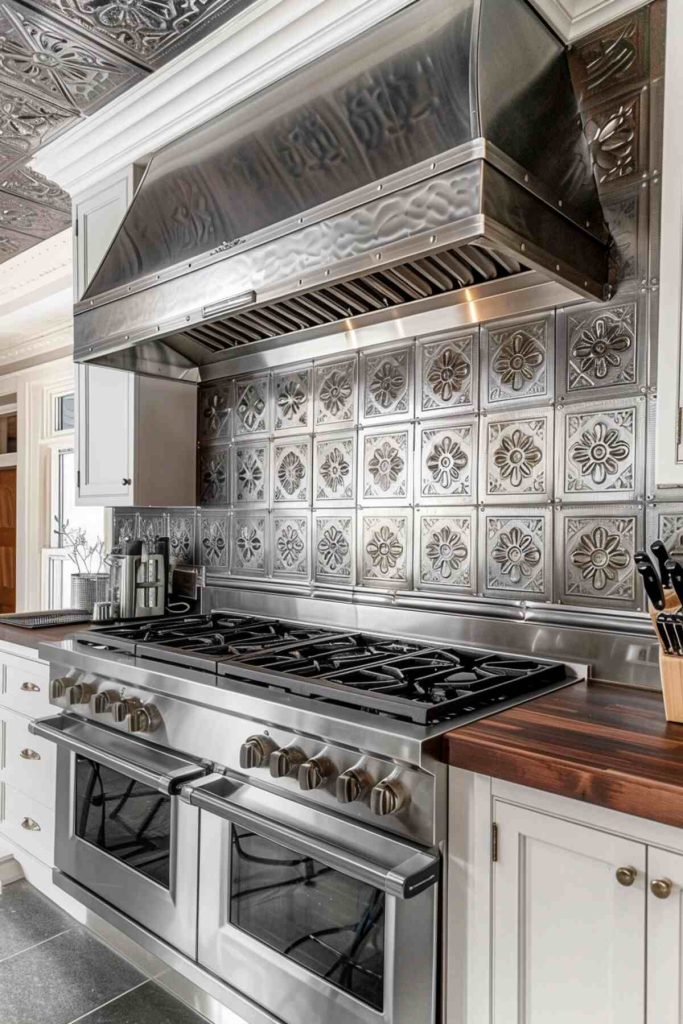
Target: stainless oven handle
(405,877)
(164,772)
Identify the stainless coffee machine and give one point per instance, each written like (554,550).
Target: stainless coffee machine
(138,579)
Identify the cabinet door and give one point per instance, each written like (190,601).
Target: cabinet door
(665,937)
(97,216)
(568,938)
(105,435)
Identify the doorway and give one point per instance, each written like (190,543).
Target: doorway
(8,539)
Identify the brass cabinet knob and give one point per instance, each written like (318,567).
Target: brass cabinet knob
(30,688)
(661,888)
(29,755)
(30,825)
(626,876)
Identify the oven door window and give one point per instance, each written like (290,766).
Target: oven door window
(126,819)
(321,919)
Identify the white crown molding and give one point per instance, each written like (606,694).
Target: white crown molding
(572,19)
(36,273)
(265,43)
(55,340)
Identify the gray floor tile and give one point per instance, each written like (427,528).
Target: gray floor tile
(148,1004)
(27,917)
(62,979)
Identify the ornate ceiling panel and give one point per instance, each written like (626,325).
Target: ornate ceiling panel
(59,61)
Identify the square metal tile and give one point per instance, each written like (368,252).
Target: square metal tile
(152,525)
(387,383)
(124,524)
(385,538)
(292,477)
(601,450)
(249,543)
(617,132)
(214,540)
(215,407)
(291,545)
(335,399)
(516,463)
(445,549)
(335,468)
(627,217)
(292,400)
(334,547)
(385,475)
(602,349)
(252,405)
(446,462)
(250,460)
(519,361)
(613,58)
(447,372)
(515,553)
(214,475)
(664,521)
(181,533)
(594,556)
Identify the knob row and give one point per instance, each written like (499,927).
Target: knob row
(386,796)
(137,717)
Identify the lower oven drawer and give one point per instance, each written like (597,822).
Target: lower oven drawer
(25,686)
(28,762)
(27,822)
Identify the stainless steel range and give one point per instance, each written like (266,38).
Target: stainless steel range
(261,803)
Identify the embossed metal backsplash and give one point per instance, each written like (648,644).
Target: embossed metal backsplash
(508,461)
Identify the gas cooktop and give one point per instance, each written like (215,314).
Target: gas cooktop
(407,679)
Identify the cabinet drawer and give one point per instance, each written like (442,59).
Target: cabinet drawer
(26,762)
(27,822)
(24,686)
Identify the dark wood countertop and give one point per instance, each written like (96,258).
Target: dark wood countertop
(607,745)
(32,638)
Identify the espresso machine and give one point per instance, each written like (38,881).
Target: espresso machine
(138,579)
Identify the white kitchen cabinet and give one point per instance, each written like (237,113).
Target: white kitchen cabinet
(665,937)
(135,439)
(97,215)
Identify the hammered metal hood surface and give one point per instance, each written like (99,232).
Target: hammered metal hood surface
(442,150)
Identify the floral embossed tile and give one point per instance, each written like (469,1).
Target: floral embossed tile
(252,412)
(249,542)
(517,462)
(250,473)
(335,393)
(601,450)
(334,547)
(386,470)
(290,545)
(519,361)
(335,469)
(292,472)
(594,557)
(293,400)
(387,383)
(214,474)
(445,549)
(516,553)
(446,470)
(215,405)
(447,369)
(214,540)
(385,548)
(601,350)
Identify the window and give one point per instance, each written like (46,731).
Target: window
(64,412)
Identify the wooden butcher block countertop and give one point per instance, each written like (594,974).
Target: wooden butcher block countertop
(606,745)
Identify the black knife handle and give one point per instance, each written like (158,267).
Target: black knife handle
(675,571)
(652,585)
(658,549)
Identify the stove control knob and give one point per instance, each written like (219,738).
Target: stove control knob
(351,786)
(312,774)
(79,693)
(387,797)
(59,687)
(121,709)
(285,761)
(255,752)
(105,700)
(144,718)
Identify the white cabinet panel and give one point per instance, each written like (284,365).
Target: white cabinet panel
(97,216)
(105,434)
(27,822)
(665,937)
(24,686)
(568,938)
(27,762)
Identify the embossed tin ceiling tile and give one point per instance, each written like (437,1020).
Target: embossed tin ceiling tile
(31,218)
(387,466)
(214,543)
(14,242)
(447,373)
(446,473)
(445,549)
(334,548)
(336,393)
(664,521)
(618,137)
(385,538)
(292,400)
(335,470)
(600,449)
(519,361)
(291,545)
(515,553)
(27,121)
(601,349)
(517,462)
(125,526)
(292,472)
(627,217)
(249,544)
(614,58)
(44,57)
(28,184)
(214,410)
(181,533)
(252,405)
(152,525)
(214,475)
(250,460)
(387,383)
(594,556)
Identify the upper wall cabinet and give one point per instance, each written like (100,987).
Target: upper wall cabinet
(97,215)
(135,439)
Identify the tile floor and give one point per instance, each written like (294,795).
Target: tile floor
(54,971)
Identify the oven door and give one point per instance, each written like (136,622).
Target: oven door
(313,917)
(121,831)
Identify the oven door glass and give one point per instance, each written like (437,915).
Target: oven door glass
(125,818)
(327,922)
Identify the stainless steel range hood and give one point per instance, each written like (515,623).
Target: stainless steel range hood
(440,151)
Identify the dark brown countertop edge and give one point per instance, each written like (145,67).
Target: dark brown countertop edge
(603,744)
(32,638)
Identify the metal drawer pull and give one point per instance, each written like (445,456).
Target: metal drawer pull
(626,876)
(30,688)
(30,825)
(661,888)
(29,755)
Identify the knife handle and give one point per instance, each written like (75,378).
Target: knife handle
(651,583)
(658,549)
(675,571)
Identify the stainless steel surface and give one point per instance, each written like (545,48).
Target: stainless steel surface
(447,134)
(137,585)
(43,620)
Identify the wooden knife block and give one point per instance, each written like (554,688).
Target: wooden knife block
(670,670)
